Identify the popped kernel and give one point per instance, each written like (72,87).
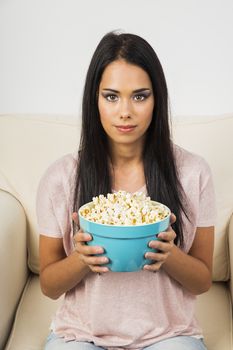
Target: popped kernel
(124,208)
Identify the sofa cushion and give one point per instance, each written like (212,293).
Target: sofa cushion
(12,251)
(35,314)
(33,318)
(29,144)
(230,242)
(214,312)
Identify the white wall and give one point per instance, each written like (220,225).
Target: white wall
(46,46)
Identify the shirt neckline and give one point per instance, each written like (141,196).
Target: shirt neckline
(141,189)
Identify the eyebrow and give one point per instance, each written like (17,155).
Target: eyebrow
(135,91)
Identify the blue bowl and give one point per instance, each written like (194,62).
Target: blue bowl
(125,246)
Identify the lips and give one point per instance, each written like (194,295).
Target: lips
(125,128)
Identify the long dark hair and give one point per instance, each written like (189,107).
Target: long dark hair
(93,172)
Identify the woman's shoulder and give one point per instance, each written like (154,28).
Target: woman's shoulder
(187,159)
(59,172)
(65,164)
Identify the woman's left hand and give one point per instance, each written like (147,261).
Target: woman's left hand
(164,247)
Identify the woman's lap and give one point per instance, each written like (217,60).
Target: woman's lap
(56,343)
(175,343)
(178,343)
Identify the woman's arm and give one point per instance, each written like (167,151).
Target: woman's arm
(193,270)
(60,273)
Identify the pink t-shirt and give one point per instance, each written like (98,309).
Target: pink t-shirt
(128,310)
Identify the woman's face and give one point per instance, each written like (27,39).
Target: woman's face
(125,102)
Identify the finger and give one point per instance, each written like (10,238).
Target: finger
(81,236)
(95,263)
(99,269)
(88,250)
(168,235)
(75,218)
(172,219)
(161,246)
(153,267)
(95,260)
(158,257)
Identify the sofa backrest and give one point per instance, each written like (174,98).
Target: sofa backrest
(212,138)
(29,144)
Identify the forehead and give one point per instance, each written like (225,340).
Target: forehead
(122,75)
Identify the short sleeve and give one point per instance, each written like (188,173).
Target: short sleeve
(207,213)
(46,219)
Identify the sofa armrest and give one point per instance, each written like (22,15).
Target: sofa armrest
(230,241)
(13,260)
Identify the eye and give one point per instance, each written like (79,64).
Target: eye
(111,97)
(140,97)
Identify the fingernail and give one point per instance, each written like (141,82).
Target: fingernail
(99,250)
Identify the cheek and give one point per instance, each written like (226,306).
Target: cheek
(108,114)
(150,111)
(104,111)
(105,117)
(145,107)
(146,117)
(146,112)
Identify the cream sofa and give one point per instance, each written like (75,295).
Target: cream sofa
(27,146)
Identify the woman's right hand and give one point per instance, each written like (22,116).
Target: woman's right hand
(89,254)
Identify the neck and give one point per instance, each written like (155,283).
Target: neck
(125,155)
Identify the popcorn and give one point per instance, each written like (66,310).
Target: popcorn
(123,208)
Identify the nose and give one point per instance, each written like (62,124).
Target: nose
(125,116)
(125,110)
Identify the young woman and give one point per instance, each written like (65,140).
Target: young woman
(126,145)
